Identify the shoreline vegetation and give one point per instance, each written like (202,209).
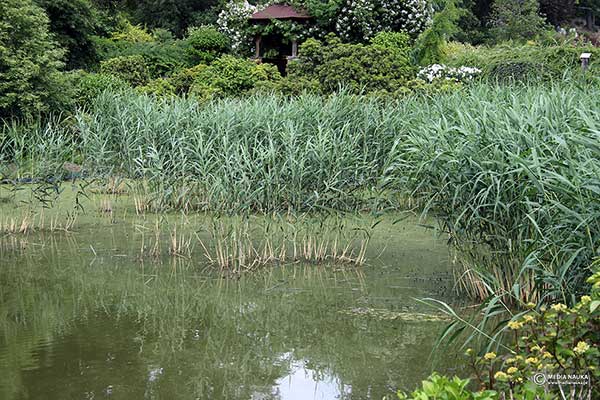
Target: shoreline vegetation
(204,134)
(509,171)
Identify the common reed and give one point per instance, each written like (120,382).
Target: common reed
(238,246)
(29,222)
(511,172)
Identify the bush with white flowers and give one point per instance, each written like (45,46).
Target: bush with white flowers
(233,22)
(360,20)
(441,72)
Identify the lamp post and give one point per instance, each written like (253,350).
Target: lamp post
(585,60)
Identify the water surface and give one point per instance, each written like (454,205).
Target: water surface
(83,316)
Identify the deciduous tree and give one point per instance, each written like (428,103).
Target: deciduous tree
(30,81)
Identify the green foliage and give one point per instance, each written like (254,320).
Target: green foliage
(554,340)
(160,87)
(162,58)
(289,86)
(232,76)
(354,66)
(88,86)
(131,69)
(511,189)
(470,28)
(286,30)
(30,81)
(174,15)
(204,44)
(515,70)
(324,11)
(162,35)
(558,11)
(396,41)
(438,387)
(127,32)
(516,20)
(521,62)
(312,55)
(429,44)
(543,342)
(73,23)
(184,79)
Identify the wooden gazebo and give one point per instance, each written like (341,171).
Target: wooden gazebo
(274,43)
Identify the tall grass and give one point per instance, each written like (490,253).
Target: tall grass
(514,176)
(511,172)
(260,154)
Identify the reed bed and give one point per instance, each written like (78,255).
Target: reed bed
(238,244)
(29,222)
(511,172)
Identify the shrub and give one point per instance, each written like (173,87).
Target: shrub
(88,86)
(132,69)
(355,66)
(204,44)
(395,41)
(354,21)
(547,342)
(128,32)
(520,62)
(183,80)
(30,81)
(233,22)
(160,87)
(359,21)
(429,44)
(162,35)
(441,387)
(231,76)
(507,71)
(441,72)
(555,340)
(161,58)
(289,86)
(515,20)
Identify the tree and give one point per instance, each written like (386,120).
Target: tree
(73,23)
(558,11)
(590,9)
(428,47)
(175,15)
(516,19)
(30,81)
(470,25)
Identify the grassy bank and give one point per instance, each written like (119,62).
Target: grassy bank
(511,172)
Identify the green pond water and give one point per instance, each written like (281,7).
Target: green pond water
(84,316)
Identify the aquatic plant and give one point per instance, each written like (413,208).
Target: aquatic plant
(511,172)
(238,245)
(514,183)
(28,222)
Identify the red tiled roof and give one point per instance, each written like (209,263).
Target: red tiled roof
(280,11)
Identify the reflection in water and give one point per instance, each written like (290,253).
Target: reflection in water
(304,383)
(81,323)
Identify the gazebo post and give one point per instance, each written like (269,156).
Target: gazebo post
(257,40)
(294,48)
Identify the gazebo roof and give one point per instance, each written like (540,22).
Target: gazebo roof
(280,11)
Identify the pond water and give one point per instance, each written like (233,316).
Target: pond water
(84,317)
